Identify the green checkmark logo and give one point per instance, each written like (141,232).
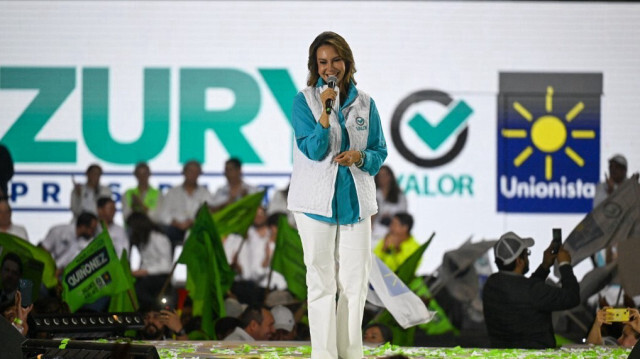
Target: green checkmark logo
(434,136)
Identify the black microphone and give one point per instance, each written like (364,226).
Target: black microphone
(331,82)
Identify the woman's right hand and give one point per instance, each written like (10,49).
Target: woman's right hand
(327,94)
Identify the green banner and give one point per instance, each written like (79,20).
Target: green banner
(209,276)
(27,251)
(238,216)
(94,273)
(288,259)
(126,301)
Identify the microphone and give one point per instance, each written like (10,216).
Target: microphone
(331,82)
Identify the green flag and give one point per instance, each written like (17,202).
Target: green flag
(94,273)
(209,276)
(126,301)
(288,259)
(407,270)
(24,249)
(238,216)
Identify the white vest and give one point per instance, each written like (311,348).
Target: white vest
(313,182)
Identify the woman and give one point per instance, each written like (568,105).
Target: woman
(390,200)
(340,147)
(84,197)
(155,252)
(142,198)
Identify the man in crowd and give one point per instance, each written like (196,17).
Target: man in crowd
(65,241)
(256,323)
(235,188)
(11,272)
(617,175)
(6,225)
(106,212)
(178,208)
(517,309)
(398,244)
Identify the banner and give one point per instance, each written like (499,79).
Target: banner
(94,273)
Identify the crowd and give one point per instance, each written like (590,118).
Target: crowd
(517,309)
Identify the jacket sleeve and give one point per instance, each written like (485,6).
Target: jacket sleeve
(311,138)
(551,298)
(376,151)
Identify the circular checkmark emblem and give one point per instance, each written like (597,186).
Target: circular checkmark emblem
(432,136)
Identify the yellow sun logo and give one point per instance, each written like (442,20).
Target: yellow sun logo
(548,134)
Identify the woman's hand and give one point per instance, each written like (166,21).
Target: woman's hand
(328,94)
(347,158)
(634,319)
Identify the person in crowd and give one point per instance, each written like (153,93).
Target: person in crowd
(630,330)
(6,171)
(11,272)
(177,210)
(284,324)
(234,189)
(617,175)
(162,324)
(7,225)
(84,197)
(390,201)
(65,241)
(245,255)
(377,334)
(339,148)
(106,212)
(155,254)
(256,323)
(518,309)
(278,204)
(142,198)
(16,314)
(225,326)
(399,243)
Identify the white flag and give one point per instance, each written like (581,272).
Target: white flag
(387,290)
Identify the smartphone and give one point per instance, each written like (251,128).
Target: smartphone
(617,314)
(25,286)
(557,240)
(166,303)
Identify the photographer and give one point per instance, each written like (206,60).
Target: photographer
(630,330)
(517,309)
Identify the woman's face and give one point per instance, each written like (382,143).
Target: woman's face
(330,63)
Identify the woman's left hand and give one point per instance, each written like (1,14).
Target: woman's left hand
(347,158)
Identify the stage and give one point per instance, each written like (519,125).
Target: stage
(272,350)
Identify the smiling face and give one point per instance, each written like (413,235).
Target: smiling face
(330,63)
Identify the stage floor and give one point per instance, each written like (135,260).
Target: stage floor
(272,350)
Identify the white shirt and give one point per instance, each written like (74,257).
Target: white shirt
(87,200)
(63,244)
(223,193)
(156,254)
(179,205)
(239,335)
(17,230)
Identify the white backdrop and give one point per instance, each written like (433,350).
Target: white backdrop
(459,48)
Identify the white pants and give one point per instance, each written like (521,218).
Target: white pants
(336,333)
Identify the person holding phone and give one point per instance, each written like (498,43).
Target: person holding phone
(630,330)
(517,309)
(10,274)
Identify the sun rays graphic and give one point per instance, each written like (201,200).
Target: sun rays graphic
(548,134)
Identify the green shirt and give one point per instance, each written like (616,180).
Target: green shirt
(393,258)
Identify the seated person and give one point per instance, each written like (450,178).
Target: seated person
(398,244)
(256,323)
(376,334)
(284,324)
(517,309)
(630,330)
(234,189)
(65,241)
